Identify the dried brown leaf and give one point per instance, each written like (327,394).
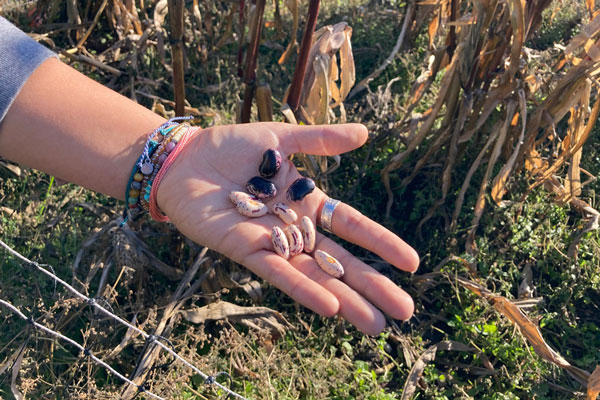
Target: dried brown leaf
(160,12)
(467,19)
(254,317)
(590,5)
(588,32)
(480,202)
(445,85)
(291,5)
(433,29)
(348,71)
(288,114)
(517,18)
(15,372)
(410,386)
(499,184)
(318,110)
(529,329)
(593,386)
(526,286)
(15,169)
(547,173)
(474,167)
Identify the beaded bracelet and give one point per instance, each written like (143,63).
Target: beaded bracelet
(145,166)
(158,158)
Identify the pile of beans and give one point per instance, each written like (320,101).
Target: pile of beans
(289,240)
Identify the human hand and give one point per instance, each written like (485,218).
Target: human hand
(194,194)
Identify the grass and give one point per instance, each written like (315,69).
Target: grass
(316,358)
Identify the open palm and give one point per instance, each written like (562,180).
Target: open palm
(194,194)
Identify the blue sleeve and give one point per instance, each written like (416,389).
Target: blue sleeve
(20,55)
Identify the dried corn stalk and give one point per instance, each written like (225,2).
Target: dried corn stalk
(487,77)
(320,90)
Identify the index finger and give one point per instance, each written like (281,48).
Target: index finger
(321,139)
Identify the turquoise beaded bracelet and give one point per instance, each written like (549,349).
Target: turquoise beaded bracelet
(144,166)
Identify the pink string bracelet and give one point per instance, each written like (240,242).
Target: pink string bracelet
(155,212)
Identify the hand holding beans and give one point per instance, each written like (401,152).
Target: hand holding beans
(219,160)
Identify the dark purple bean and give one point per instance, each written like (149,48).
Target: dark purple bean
(300,188)
(261,188)
(270,164)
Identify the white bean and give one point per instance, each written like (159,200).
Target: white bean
(308,234)
(280,242)
(329,264)
(286,214)
(294,237)
(251,208)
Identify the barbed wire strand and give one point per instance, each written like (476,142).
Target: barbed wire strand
(85,351)
(209,380)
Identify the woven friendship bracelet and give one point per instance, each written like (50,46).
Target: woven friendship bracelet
(155,212)
(159,144)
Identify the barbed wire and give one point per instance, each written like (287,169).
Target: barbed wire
(86,352)
(151,339)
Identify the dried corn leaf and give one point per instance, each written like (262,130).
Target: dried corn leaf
(545,174)
(593,386)
(465,20)
(334,75)
(197,14)
(449,77)
(347,68)
(588,32)
(433,29)
(291,5)
(15,169)
(15,372)
(288,114)
(474,167)
(259,318)
(320,81)
(160,12)
(529,330)
(499,184)
(517,18)
(318,108)
(480,202)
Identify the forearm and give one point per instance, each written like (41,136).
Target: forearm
(72,127)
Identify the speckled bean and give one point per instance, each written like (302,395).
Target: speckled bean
(261,188)
(270,164)
(300,188)
(237,196)
(294,237)
(251,208)
(280,242)
(286,214)
(329,264)
(309,234)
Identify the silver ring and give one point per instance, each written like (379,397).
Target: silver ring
(327,213)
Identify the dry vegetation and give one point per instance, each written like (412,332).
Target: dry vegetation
(472,106)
